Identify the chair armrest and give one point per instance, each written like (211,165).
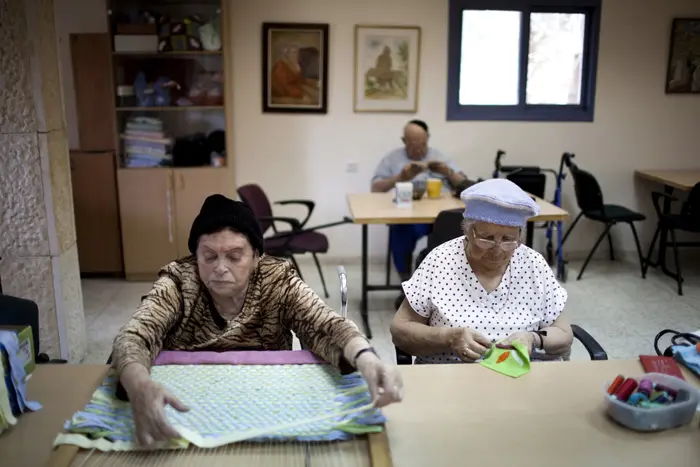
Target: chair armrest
(310,205)
(402,358)
(346,220)
(591,345)
(43,359)
(292,222)
(656,198)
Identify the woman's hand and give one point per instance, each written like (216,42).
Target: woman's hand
(384,381)
(467,344)
(148,401)
(525,338)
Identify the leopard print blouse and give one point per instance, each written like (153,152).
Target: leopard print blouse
(178,314)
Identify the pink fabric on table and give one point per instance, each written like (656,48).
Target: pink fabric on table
(240,357)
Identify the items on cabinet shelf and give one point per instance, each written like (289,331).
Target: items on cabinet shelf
(182,35)
(200,150)
(126,97)
(156,94)
(207,90)
(145,143)
(210,33)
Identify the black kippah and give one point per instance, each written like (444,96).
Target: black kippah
(218,213)
(420,123)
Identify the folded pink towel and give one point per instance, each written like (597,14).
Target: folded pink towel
(242,357)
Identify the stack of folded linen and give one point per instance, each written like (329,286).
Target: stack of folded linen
(145,143)
(13,400)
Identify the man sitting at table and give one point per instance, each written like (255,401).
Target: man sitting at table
(416,161)
(484,287)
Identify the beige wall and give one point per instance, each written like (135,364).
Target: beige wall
(37,228)
(305,156)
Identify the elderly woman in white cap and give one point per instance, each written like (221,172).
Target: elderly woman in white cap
(484,287)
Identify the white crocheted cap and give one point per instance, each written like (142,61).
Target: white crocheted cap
(499,201)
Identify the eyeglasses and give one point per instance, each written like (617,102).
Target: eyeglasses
(486,244)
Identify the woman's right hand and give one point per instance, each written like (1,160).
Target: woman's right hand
(467,344)
(148,402)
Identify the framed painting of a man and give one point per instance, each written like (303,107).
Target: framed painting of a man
(387,67)
(295,67)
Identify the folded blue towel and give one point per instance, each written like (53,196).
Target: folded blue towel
(9,346)
(688,356)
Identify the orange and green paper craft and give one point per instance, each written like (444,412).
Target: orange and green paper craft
(513,362)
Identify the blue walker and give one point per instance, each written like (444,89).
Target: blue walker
(517,174)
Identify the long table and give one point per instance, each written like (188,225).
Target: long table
(379,208)
(451,415)
(672,181)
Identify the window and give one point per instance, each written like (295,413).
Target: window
(522,59)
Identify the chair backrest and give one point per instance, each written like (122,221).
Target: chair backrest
(589,196)
(448,225)
(691,207)
(532,182)
(256,199)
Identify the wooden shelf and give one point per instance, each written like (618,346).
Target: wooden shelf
(184,53)
(170,167)
(181,108)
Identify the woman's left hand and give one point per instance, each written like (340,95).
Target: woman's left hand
(525,338)
(384,381)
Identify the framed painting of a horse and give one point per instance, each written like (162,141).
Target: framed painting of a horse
(387,68)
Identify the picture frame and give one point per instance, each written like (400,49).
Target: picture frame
(683,71)
(295,67)
(387,68)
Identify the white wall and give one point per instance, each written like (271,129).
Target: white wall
(305,156)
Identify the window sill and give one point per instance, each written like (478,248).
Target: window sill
(527,114)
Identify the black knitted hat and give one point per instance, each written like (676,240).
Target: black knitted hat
(219,212)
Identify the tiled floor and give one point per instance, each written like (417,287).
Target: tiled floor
(612,302)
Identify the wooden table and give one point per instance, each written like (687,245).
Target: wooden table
(451,415)
(62,390)
(683,180)
(672,180)
(379,208)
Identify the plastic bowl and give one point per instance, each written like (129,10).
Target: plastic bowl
(662,418)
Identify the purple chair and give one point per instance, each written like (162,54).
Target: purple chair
(298,240)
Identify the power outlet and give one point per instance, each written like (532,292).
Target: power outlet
(352,167)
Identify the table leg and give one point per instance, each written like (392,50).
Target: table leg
(529,234)
(661,259)
(363,305)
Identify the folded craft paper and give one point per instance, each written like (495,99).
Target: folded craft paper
(513,362)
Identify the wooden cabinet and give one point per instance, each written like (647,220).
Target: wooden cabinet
(147,207)
(96,208)
(160,176)
(157,208)
(193,185)
(91,55)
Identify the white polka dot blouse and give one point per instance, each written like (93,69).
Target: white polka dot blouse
(445,290)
